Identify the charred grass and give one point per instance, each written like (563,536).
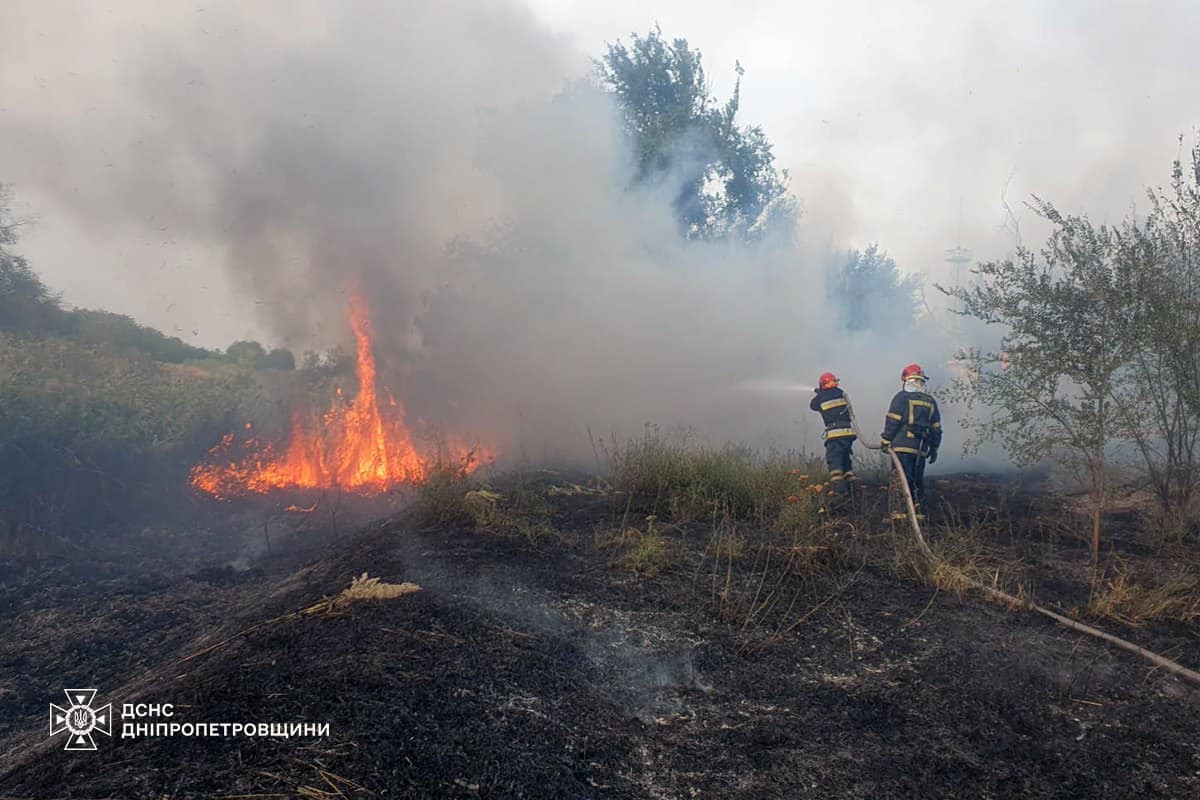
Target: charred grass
(799,525)
(776,510)
(714,626)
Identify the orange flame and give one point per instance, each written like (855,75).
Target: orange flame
(351,447)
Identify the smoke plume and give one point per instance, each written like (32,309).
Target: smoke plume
(440,156)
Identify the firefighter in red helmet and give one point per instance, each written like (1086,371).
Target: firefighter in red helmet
(830,401)
(913,429)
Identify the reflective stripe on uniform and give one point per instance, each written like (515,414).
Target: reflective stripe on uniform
(894,416)
(912,411)
(836,403)
(839,433)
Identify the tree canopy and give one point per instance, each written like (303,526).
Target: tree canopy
(29,308)
(25,302)
(1100,347)
(728,184)
(869,292)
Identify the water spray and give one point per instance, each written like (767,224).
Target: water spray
(771,386)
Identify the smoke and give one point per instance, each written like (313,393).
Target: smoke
(439,156)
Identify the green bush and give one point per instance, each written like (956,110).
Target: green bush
(251,355)
(449,496)
(649,554)
(88,433)
(123,334)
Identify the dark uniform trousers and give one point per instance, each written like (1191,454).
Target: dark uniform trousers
(913,430)
(839,435)
(838,459)
(914,472)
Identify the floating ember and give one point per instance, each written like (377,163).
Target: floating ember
(355,447)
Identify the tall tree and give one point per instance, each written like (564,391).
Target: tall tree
(1071,318)
(728,184)
(868,291)
(25,302)
(246,353)
(1163,404)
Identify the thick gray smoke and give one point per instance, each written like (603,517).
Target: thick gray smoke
(435,154)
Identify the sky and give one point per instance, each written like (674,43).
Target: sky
(903,122)
(900,123)
(226,170)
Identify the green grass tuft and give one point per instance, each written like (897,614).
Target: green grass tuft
(684,479)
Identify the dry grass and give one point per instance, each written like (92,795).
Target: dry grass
(728,544)
(649,555)
(482,506)
(1173,598)
(367,588)
(685,480)
(441,500)
(450,497)
(330,786)
(803,510)
(962,559)
(646,552)
(1174,526)
(521,514)
(763,580)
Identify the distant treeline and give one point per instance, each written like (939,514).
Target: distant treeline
(101,418)
(29,308)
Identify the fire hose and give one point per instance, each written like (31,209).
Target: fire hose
(1006,599)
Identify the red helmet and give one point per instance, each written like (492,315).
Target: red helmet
(913,371)
(827,380)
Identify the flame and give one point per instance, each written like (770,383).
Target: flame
(351,446)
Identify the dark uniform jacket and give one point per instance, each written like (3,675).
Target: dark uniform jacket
(913,424)
(835,411)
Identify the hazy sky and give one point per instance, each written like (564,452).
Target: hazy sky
(899,122)
(233,169)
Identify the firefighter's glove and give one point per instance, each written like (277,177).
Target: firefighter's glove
(932,456)
(883,447)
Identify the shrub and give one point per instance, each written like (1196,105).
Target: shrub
(450,497)
(443,499)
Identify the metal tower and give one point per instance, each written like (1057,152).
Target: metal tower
(959,256)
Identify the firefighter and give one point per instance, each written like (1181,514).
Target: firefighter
(830,401)
(913,429)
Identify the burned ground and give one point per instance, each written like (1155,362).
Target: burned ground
(535,667)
